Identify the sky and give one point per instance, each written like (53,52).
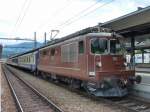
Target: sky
(21,18)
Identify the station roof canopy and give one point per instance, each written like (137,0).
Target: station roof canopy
(132,24)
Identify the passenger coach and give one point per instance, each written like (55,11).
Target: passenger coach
(27,60)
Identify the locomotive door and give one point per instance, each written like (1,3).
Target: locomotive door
(90,61)
(91,65)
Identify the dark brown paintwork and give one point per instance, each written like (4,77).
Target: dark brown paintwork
(86,63)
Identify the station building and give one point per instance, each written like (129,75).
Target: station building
(135,28)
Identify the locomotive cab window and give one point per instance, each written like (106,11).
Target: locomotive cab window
(81,47)
(115,46)
(99,46)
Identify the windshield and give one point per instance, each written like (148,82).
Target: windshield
(115,46)
(99,46)
(103,46)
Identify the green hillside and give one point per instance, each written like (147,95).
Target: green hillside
(10,50)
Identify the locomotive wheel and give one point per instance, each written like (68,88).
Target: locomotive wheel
(75,84)
(86,87)
(138,79)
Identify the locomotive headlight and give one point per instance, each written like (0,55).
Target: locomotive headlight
(102,85)
(99,64)
(125,63)
(125,82)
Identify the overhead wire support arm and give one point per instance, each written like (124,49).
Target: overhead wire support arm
(16,39)
(17,47)
(52,31)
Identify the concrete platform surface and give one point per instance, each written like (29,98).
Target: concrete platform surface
(144,70)
(143,89)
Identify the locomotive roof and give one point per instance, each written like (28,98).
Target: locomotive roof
(81,32)
(78,33)
(70,39)
(89,31)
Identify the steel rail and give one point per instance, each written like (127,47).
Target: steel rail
(52,105)
(20,109)
(114,102)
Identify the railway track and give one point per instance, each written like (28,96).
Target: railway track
(133,105)
(27,98)
(127,104)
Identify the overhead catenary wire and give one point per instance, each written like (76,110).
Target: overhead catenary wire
(81,12)
(19,16)
(22,8)
(67,23)
(57,12)
(84,10)
(22,15)
(25,12)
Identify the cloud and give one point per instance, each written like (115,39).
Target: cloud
(45,15)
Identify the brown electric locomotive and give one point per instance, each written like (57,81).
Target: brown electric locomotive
(93,61)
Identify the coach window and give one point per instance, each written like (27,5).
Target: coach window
(29,59)
(81,47)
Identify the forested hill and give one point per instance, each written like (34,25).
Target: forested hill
(10,50)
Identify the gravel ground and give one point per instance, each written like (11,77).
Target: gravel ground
(65,99)
(7,101)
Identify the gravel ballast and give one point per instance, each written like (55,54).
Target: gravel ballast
(7,101)
(67,100)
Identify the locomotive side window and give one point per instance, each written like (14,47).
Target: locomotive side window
(99,46)
(81,47)
(64,53)
(69,52)
(44,52)
(52,52)
(73,52)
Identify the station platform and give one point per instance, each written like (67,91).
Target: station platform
(143,89)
